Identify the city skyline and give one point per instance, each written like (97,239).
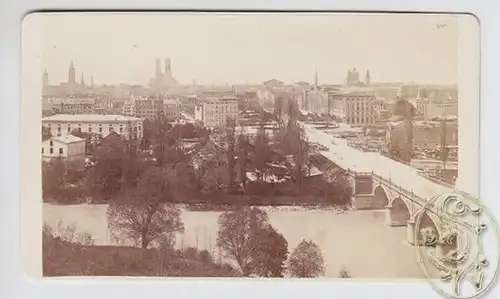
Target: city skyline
(251,48)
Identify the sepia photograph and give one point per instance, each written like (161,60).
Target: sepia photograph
(275,145)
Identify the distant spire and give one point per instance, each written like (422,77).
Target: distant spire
(82,82)
(167,66)
(315,78)
(45,77)
(71,73)
(158,68)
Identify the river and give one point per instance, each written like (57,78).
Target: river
(356,240)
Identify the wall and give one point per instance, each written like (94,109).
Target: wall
(99,128)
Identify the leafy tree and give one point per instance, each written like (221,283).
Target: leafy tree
(339,190)
(205,257)
(237,235)
(147,134)
(262,153)
(300,157)
(344,273)
(78,133)
(407,111)
(306,260)
(188,131)
(242,153)
(231,152)
(270,254)
(46,134)
(213,176)
(105,177)
(53,177)
(145,213)
(293,141)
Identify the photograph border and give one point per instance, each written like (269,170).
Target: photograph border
(336,287)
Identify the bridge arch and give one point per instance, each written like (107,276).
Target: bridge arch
(428,221)
(398,212)
(381,196)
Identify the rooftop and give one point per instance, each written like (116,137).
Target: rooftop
(170,101)
(228,98)
(88,118)
(71,101)
(68,139)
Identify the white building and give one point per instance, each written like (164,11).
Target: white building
(356,108)
(172,108)
(315,100)
(215,112)
(63,124)
(151,108)
(430,109)
(67,147)
(69,105)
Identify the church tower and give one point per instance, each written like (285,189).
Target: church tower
(71,74)
(45,78)
(158,69)
(167,66)
(367,78)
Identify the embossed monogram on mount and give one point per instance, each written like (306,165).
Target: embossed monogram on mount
(456,250)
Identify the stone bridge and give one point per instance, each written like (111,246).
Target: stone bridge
(402,207)
(379,182)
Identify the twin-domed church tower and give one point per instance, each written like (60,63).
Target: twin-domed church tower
(163,81)
(353,78)
(168,70)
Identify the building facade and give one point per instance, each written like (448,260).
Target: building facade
(426,134)
(354,108)
(152,108)
(171,108)
(69,105)
(215,113)
(430,109)
(67,147)
(64,124)
(314,100)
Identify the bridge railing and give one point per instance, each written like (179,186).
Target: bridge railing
(403,191)
(407,193)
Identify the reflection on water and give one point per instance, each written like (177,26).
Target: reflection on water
(357,240)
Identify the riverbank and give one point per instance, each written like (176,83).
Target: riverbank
(357,240)
(67,259)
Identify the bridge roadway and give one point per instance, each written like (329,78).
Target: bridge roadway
(433,164)
(396,187)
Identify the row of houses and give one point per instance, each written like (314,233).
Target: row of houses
(151,108)
(142,107)
(61,125)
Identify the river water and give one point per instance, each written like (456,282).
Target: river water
(356,240)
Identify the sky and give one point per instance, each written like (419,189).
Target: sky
(249,48)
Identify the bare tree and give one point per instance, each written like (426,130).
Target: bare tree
(231,152)
(407,111)
(262,152)
(306,260)
(243,145)
(147,212)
